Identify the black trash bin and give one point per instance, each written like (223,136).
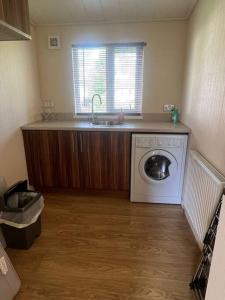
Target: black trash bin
(20,215)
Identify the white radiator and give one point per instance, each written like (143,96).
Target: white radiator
(202,190)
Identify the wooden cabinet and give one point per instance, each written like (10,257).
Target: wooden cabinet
(78,160)
(14,20)
(52,158)
(68,167)
(42,157)
(1,11)
(105,160)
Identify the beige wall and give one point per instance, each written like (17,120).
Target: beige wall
(164,60)
(19,104)
(204,90)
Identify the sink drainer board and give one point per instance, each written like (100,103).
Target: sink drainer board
(202,191)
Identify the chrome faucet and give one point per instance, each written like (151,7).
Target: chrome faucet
(92,111)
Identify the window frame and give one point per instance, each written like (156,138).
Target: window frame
(110,72)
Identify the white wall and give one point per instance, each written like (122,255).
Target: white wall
(19,104)
(163,67)
(204,89)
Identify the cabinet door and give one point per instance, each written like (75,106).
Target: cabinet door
(16,13)
(22,20)
(68,167)
(120,160)
(105,160)
(41,149)
(2,17)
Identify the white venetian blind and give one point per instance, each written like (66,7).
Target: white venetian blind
(113,71)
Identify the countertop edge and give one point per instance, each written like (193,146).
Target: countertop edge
(179,128)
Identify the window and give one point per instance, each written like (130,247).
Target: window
(114,71)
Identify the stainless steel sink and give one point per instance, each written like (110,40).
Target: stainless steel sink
(106,123)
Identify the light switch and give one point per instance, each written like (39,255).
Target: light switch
(168,107)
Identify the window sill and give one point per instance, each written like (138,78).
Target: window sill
(108,117)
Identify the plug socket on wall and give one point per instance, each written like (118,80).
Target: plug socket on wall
(168,107)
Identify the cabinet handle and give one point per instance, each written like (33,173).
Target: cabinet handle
(81,143)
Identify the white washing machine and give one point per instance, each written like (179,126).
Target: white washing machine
(157,167)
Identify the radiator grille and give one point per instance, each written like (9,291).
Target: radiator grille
(202,191)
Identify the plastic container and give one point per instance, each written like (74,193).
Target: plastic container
(175,115)
(20,215)
(22,238)
(120,117)
(9,280)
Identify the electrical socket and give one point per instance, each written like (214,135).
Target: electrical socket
(168,107)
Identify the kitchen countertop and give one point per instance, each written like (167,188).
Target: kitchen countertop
(128,126)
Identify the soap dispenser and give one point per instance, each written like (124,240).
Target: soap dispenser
(175,115)
(120,117)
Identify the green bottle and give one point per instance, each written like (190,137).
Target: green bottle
(175,115)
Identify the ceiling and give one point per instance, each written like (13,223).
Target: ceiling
(88,11)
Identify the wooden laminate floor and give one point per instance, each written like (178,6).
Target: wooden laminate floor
(108,249)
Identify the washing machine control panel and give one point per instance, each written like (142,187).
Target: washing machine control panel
(158,141)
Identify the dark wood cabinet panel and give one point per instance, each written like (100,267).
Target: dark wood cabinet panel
(52,158)
(29,147)
(94,159)
(42,153)
(105,160)
(68,164)
(22,20)
(9,9)
(120,160)
(2,16)
(14,20)
(78,160)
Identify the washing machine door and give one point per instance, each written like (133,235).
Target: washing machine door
(158,166)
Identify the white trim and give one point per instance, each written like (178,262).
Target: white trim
(110,22)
